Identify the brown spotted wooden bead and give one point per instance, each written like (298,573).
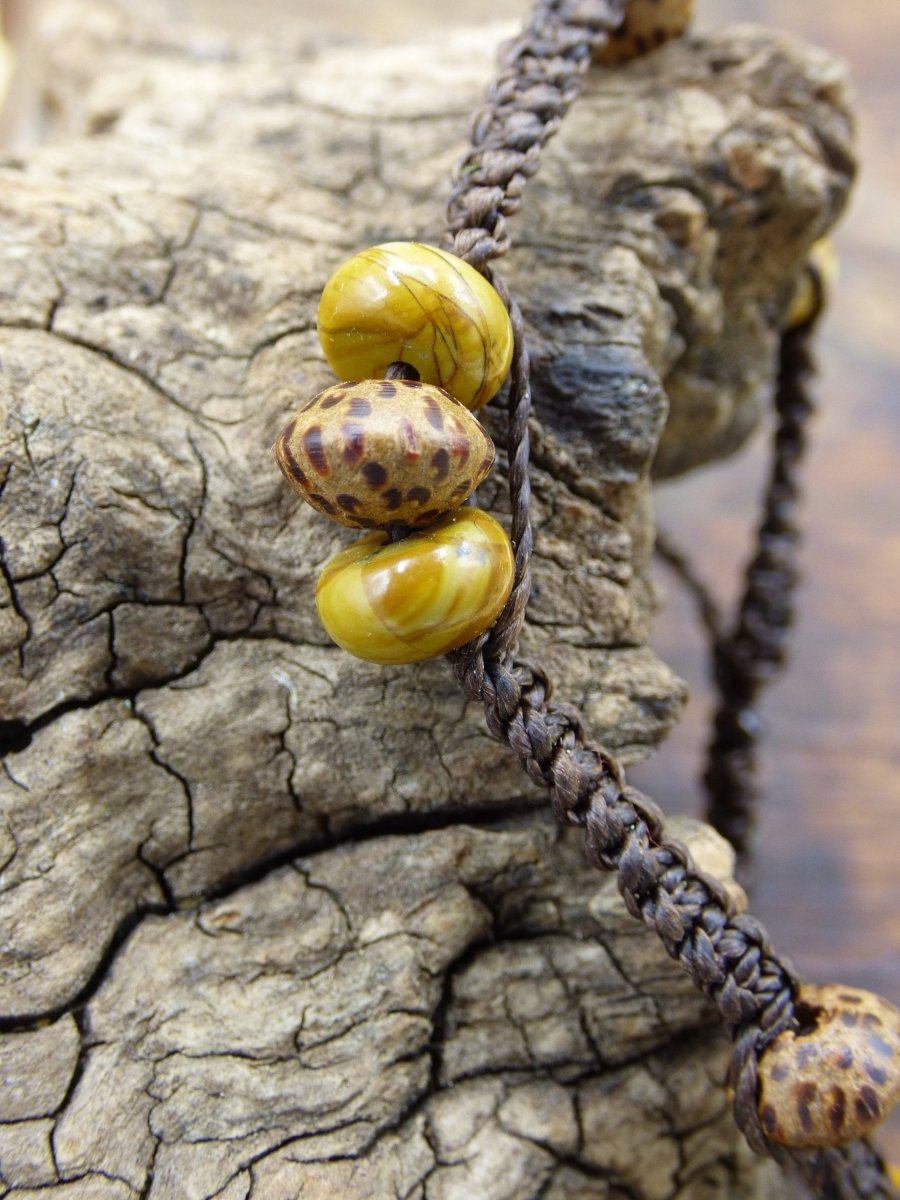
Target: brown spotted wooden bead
(647,25)
(381,452)
(837,1076)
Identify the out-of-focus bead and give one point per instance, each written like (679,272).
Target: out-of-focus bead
(408,302)
(815,282)
(647,24)
(384,451)
(837,1079)
(404,601)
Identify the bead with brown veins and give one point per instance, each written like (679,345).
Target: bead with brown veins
(417,598)
(381,452)
(647,24)
(408,302)
(835,1078)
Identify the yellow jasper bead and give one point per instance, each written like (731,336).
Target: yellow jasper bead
(647,24)
(818,277)
(405,601)
(384,451)
(408,302)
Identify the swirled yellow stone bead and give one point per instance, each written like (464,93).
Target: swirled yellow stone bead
(405,601)
(408,302)
(816,281)
(647,24)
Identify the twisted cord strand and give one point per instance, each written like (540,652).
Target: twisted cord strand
(708,610)
(728,956)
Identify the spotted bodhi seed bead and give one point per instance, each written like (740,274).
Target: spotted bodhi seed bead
(417,598)
(647,24)
(384,451)
(408,302)
(837,1076)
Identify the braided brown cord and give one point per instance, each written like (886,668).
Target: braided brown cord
(728,956)
(749,655)
(539,77)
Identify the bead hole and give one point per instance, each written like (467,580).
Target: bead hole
(402,370)
(807,1016)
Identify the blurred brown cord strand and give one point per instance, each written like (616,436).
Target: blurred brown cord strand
(728,955)
(708,610)
(750,655)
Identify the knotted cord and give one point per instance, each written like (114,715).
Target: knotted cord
(728,955)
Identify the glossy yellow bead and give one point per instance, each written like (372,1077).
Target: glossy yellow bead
(379,452)
(408,302)
(647,24)
(816,280)
(405,601)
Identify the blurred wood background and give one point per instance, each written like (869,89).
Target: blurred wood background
(828,882)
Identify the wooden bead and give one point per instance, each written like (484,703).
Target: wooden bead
(382,452)
(412,303)
(405,601)
(647,24)
(836,1079)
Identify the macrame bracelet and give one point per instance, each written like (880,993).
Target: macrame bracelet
(810,1066)
(729,957)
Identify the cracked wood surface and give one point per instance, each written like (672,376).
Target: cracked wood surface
(463,1012)
(426,1010)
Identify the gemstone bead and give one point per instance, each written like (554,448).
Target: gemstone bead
(815,283)
(384,451)
(408,302)
(647,24)
(835,1080)
(405,601)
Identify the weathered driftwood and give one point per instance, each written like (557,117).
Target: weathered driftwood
(271,917)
